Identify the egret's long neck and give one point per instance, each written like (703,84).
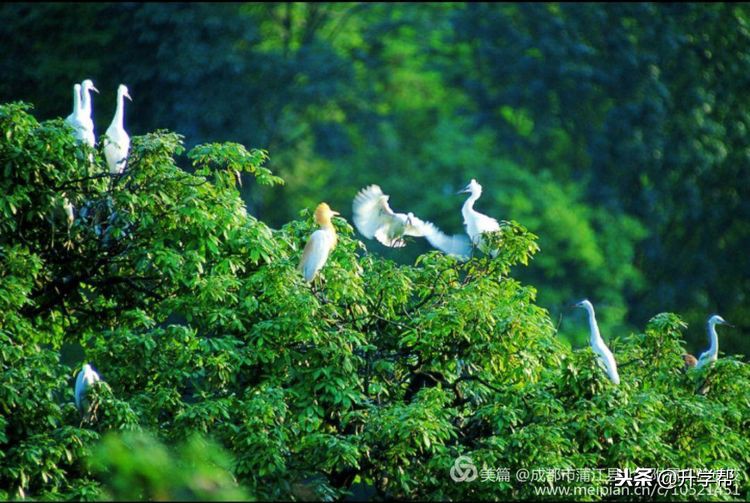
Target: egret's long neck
(595,335)
(86,101)
(119,111)
(713,338)
(469,204)
(76,100)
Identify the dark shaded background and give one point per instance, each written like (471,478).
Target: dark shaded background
(618,133)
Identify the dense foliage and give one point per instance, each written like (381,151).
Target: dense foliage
(374,378)
(617,132)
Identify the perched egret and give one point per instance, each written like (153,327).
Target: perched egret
(68,207)
(74,119)
(373,217)
(320,244)
(606,360)
(77,119)
(87,122)
(711,355)
(86,378)
(116,139)
(477,223)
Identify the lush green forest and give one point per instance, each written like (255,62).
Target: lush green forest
(617,133)
(612,138)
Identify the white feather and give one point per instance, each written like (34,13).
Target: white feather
(604,355)
(374,218)
(477,223)
(117,140)
(85,379)
(457,245)
(316,252)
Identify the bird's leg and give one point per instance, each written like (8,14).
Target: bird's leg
(69,242)
(94,412)
(318,289)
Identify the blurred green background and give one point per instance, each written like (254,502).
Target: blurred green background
(618,133)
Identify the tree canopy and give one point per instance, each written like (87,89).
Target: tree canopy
(225,375)
(617,133)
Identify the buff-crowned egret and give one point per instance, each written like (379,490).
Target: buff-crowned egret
(320,244)
(86,378)
(689,360)
(709,356)
(116,139)
(477,223)
(374,218)
(605,358)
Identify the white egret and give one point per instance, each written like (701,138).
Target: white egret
(74,118)
(711,355)
(68,207)
(320,244)
(87,122)
(116,139)
(373,217)
(77,119)
(86,378)
(477,223)
(605,358)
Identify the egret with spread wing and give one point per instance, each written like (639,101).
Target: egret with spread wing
(374,218)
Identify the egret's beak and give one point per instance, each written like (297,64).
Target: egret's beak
(128,96)
(335,213)
(728,324)
(94,89)
(465,189)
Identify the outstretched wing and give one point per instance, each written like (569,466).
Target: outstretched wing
(371,211)
(375,219)
(416,227)
(457,245)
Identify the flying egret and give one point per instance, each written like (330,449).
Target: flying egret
(88,123)
(477,223)
(320,244)
(116,139)
(606,360)
(86,378)
(373,217)
(711,355)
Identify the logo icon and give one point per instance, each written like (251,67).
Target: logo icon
(463,469)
